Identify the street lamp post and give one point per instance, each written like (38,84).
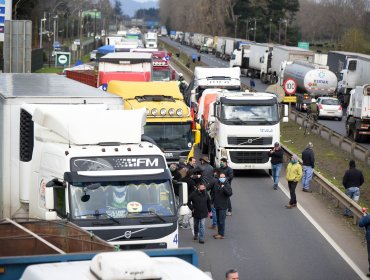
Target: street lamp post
(54,29)
(236,24)
(255,27)
(270,31)
(41,21)
(286,27)
(247,30)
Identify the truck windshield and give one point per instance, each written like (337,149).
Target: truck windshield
(170,136)
(250,114)
(161,75)
(121,199)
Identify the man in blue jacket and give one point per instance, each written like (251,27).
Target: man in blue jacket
(365,222)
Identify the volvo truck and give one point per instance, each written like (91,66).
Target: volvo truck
(243,128)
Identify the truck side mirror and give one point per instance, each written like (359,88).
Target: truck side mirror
(286,113)
(196,136)
(183,194)
(49,198)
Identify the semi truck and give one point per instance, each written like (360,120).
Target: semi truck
(280,55)
(354,73)
(254,59)
(211,77)
(118,265)
(312,80)
(69,152)
(112,65)
(358,113)
(169,121)
(150,40)
(243,127)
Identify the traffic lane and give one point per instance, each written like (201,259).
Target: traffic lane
(263,240)
(340,127)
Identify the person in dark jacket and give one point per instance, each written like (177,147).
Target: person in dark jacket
(365,222)
(308,159)
(276,155)
(207,174)
(200,205)
(210,188)
(352,181)
(222,193)
(229,172)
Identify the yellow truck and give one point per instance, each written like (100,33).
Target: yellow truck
(169,122)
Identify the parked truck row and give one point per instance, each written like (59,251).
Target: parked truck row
(267,62)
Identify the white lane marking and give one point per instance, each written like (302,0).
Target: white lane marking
(336,247)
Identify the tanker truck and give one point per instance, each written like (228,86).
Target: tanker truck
(312,81)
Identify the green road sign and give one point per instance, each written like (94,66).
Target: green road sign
(62,59)
(304,45)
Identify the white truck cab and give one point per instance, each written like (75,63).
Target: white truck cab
(245,128)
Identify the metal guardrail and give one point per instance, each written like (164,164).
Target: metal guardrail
(356,150)
(325,185)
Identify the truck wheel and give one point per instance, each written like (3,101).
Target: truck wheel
(356,136)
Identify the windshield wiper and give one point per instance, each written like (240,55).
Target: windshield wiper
(155,214)
(98,214)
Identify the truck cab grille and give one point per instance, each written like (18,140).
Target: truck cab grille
(249,157)
(249,140)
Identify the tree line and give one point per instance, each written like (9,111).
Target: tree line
(343,23)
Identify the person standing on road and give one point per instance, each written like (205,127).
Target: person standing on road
(293,175)
(207,174)
(194,57)
(276,155)
(222,192)
(229,172)
(365,222)
(232,274)
(211,189)
(352,181)
(200,205)
(308,158)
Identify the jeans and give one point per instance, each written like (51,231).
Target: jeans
(292,185)
(276,169)
(214,217)
(221,218)
(354,194)
(199,227)
(307,176)
(368,253)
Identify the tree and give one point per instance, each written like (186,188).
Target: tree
(354,40)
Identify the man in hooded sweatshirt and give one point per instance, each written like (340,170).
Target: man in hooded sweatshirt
(293,175)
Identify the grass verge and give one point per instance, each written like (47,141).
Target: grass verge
(330,161)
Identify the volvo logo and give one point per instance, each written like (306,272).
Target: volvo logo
(127,234)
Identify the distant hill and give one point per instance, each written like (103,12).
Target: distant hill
(129,7)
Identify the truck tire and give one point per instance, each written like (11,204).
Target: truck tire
(356,136)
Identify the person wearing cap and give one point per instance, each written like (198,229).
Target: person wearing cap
(229,172)
(276,155)
(207,174)
(293,175)
(308,159)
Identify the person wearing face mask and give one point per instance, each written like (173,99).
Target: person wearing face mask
(200,205)
(222,193)
(229,172)
(293,175)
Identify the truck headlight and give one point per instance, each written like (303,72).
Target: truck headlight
(163,112)
(179,112)
(171,111)
(154,111)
